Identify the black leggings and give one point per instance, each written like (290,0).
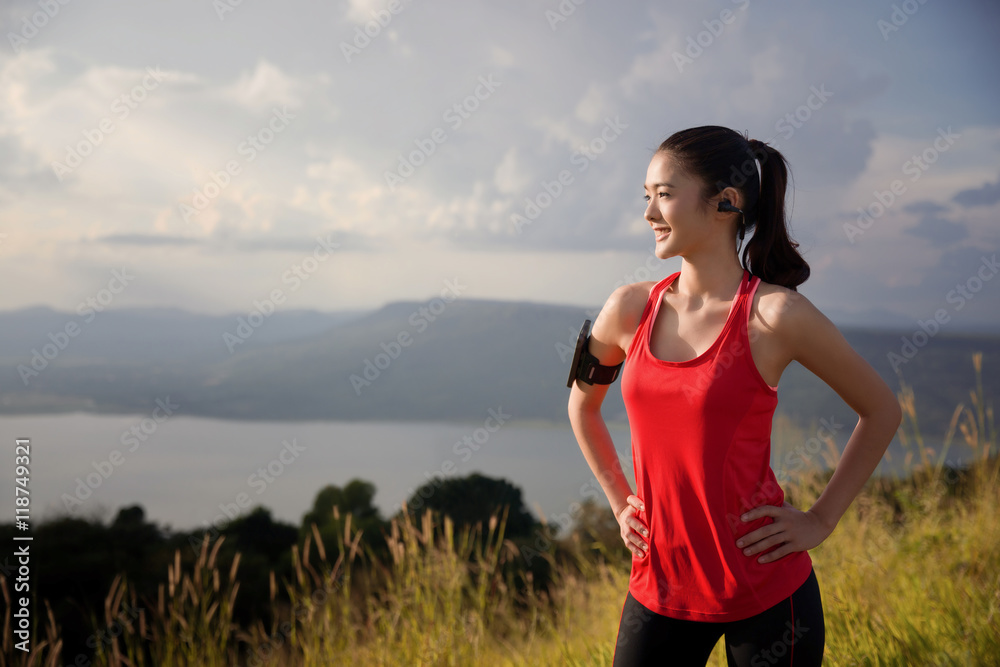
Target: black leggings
(789,633)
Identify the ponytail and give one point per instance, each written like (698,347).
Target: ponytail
(771,253)
(723,158)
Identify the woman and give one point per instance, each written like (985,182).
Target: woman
(716,550)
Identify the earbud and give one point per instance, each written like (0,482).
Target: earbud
(726,206)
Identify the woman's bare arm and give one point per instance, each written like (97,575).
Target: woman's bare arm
(813,340)
(818,345)
(614,326)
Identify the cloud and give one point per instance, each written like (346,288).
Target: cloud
(932,226)
(985,195)
(509,176)
(361,11)
(20,168)
(222,240)
(266,86)
(925,207)
(357,121)
(146,240)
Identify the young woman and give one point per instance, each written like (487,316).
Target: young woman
(715,549)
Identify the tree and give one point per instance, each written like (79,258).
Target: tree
(329,513)
(472,500)
(355,498)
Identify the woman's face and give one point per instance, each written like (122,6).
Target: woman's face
(681,221)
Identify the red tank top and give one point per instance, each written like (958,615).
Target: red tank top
(701,447)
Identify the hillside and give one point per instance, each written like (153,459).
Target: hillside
(405,361)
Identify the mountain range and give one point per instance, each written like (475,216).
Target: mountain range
(408,360)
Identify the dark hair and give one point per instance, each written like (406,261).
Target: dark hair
(723,158)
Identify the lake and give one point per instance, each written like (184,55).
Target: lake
(183,468)
(187,471)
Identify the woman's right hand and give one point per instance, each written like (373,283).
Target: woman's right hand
(633,531)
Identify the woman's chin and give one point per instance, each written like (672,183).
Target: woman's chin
(663,252)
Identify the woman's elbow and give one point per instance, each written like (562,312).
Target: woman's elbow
(886,412)
(881,410)
(895,414)
(891,409)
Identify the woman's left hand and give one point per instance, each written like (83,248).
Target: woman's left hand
(792,529)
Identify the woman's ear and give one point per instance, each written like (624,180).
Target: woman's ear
(734,196)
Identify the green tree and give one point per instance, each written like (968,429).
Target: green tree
(472,500)
(329,512)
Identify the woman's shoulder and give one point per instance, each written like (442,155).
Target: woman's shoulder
(783,309)
(623,309)
(631,299)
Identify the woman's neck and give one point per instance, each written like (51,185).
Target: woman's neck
(707,278)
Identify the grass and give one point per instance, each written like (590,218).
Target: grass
(911,576)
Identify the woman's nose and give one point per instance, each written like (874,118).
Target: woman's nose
(651,213)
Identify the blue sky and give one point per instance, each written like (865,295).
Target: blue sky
(286,118)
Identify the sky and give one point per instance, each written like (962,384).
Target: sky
(212,156)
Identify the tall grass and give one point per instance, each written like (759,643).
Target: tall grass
(911,576)
(43,652)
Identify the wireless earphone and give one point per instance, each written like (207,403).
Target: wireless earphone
(725,206)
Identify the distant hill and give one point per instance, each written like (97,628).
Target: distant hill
(405,361)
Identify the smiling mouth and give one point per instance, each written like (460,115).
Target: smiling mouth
(661,233)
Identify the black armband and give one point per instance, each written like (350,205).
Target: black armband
(586,367)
